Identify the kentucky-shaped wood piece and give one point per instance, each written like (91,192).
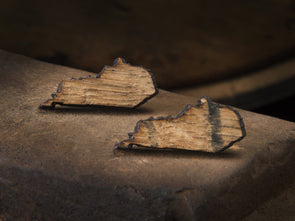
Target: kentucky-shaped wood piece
(208,127)
(122,85)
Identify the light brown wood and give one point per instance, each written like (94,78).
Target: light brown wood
(64,162)
(121,85)
(208,127)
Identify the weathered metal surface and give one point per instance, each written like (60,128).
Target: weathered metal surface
(207,126)
(61,164)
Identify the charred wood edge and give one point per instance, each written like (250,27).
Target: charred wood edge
(115,63)
(199,103)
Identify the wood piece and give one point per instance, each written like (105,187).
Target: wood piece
(63,161)
(122,85)
(208,127)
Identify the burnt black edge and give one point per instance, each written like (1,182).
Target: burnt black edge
(186,108)
(59,87)
(150,73)
(53,95)
(85,106)
(214,119)
(115,63)
(241,124)
(52,107)
(136,128)
(155,86)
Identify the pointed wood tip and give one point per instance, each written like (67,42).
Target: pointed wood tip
(203,100)
(119,61)
(49,104)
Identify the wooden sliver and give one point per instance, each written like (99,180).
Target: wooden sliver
(208,127)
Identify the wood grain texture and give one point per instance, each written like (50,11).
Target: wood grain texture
(63,161)
(122,85)
(208,127)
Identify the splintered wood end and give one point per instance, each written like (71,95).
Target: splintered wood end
(208,127)
(119,61)
(49,104)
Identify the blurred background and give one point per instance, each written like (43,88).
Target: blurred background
(240,53)
(237,52)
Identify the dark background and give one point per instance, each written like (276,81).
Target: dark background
(184,43)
